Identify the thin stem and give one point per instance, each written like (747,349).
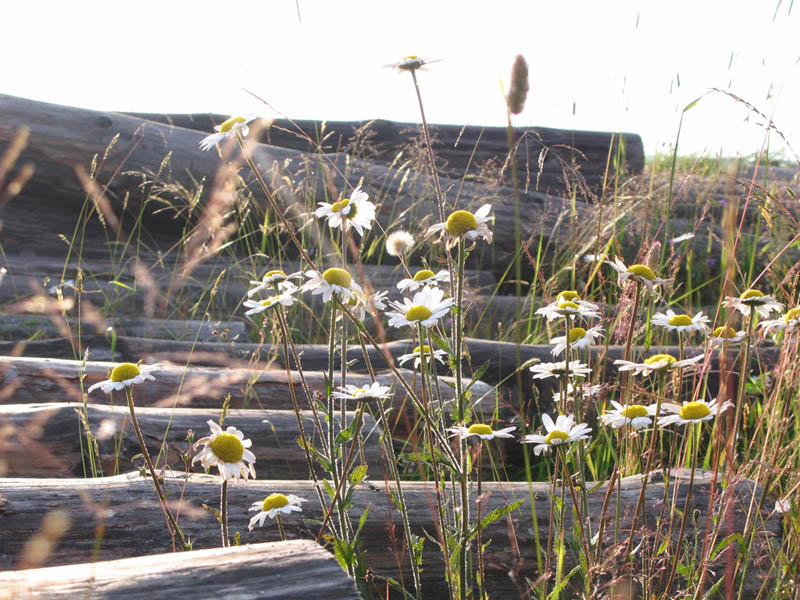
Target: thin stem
(223,513)
(280,527)
(481,569)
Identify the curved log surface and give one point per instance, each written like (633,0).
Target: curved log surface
(293,570)
(123,511)
(47,440)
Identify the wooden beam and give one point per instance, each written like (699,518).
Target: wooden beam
(293,570)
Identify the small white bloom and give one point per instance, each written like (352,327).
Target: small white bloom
(691,412)
(682,238)
(418,352)
(356,210)
(374,391)
(332,281)
(783,505)
(226,450)
(399,242)
(754,299)
(272,506)
(562,431)
(272,280)
(426,308)
(559,369)
(566,305)
(234,125)
(641,273)
(578,338)
(411,63)
(789,322)
(681,323)
(125,375)
(635,415)
(587,392)
(283,298)
(657,362)
(422,278)
(482,431)
(464,224)
(725,335)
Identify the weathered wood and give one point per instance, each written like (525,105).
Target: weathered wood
(292,570)
(49,440)
(34,380)
(63,137)
(470,150)
(123,511)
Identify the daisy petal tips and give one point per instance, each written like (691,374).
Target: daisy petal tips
(125,375)
(226,450)
(562,431)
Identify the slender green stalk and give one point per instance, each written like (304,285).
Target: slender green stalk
(223,513)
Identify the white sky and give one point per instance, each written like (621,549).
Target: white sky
(619,63)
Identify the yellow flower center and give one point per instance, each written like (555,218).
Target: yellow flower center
(422,349)
(575,334)
(269,301)
(555,435)
(792,315)
(274,275)
(228,125)
(642,271)
(418,313)
(360,392)
(460,222)
(724,332)
(124,372)
(633,411)
(565,305)
(695,410)
(411,57)
(274,501)
(680,320)
(656,358)
(338,277)
(341,205)
(751,294)
(423,274)
(480,429)
(227,447)
(568,296)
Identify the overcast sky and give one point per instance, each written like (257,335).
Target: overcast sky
(614,65)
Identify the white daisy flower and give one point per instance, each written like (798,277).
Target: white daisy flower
(356,210)
(422,278)
(374,391)
(568,304)
(125,375)
(641,273)
(234,125)
(399,242)
(227,450)
(427,307)
(411,63)
(464,224)
(562,431)
(559,369)
(271,280)
(783,505)
(332,281)
(692,412)
(790,321)
(635,415)
(578,338)
(657,362)
(755,299)
(360,305)
(418,352)
(272,506)
(482,431)
(725,335)
(587,391)
(284,298)
(681,323)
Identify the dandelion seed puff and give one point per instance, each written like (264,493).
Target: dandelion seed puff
(399,242)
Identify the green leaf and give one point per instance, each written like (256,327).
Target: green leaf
(358,474)
(122,285)
(498,512)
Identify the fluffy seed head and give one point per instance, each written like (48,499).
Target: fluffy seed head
(124,372)
(399,243)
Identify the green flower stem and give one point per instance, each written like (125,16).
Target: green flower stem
(223,513)
(481,568)
(733,433)
(156,483)
(578,517)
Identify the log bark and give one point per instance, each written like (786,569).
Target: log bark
(49,440)
(293,570)
(461,151)
(36,380)
(123,511)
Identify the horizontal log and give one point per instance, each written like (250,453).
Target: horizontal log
(135,526)
(293,570)
(49,439)
(33,380)
(461,151)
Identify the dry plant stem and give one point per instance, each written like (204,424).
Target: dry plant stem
(429,148)
(332,450)
(733,434)
(629,338)
(223,513)
(603,510)
(176,530)
(273,202)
